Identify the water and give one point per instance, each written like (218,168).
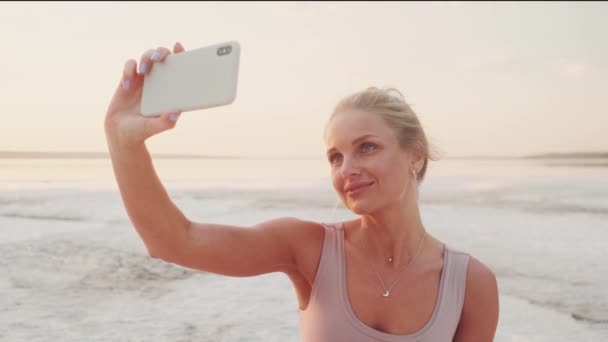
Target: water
(73,268)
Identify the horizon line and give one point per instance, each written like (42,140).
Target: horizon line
(105,155)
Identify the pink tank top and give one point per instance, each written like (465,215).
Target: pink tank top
(329,316)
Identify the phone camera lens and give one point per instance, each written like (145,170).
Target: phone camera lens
(224,50)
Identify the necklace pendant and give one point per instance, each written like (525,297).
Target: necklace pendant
(385,294)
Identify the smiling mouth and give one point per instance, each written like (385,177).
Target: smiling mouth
(356,190)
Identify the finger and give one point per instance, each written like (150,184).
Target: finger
(161,54)
(128,74)
(177,48)
(159,124)
(144,62)
(128,84)
(173,116)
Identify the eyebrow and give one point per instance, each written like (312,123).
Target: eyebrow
(363,137)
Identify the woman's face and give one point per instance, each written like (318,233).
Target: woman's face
(368,167)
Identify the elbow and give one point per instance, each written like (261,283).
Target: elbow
(153,253)
(164,255)
(158,250)
(167,249)
(162,250)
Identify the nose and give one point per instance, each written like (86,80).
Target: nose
(349,167)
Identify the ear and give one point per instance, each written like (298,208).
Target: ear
(417,158)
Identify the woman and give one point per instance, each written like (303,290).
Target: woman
(380,277)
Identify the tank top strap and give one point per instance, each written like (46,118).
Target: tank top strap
(326,283)
(454,287)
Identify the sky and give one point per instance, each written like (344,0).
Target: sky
(491,79)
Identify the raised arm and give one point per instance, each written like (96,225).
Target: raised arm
(166,232)
(155,217)
(168,235)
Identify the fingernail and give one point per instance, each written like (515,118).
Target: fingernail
(142,68)
(127,84)
(155,56)
(174,116)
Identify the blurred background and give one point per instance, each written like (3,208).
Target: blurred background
(511,95)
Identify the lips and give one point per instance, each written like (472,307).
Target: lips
(358,185)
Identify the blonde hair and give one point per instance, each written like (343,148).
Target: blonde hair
(398,114)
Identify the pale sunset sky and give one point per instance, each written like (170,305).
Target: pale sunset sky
(491,79)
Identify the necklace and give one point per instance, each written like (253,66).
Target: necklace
(389,259)
(386,292)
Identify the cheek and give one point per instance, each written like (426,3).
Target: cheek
(391,174)
(385,167)
(337,182)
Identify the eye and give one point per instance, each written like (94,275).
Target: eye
(335,158)
(366,147)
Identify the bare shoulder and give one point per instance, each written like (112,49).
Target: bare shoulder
(303,232)
(480,279)
(298,231)
(480,311)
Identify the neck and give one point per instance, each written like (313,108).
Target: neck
(394,232)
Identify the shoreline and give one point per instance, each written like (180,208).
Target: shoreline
(106,155)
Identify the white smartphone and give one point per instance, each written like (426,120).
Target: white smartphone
(194,79)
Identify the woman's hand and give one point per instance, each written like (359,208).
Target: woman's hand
(124,122)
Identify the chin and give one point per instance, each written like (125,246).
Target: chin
(361,207)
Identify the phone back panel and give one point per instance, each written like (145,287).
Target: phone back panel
(196,79)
